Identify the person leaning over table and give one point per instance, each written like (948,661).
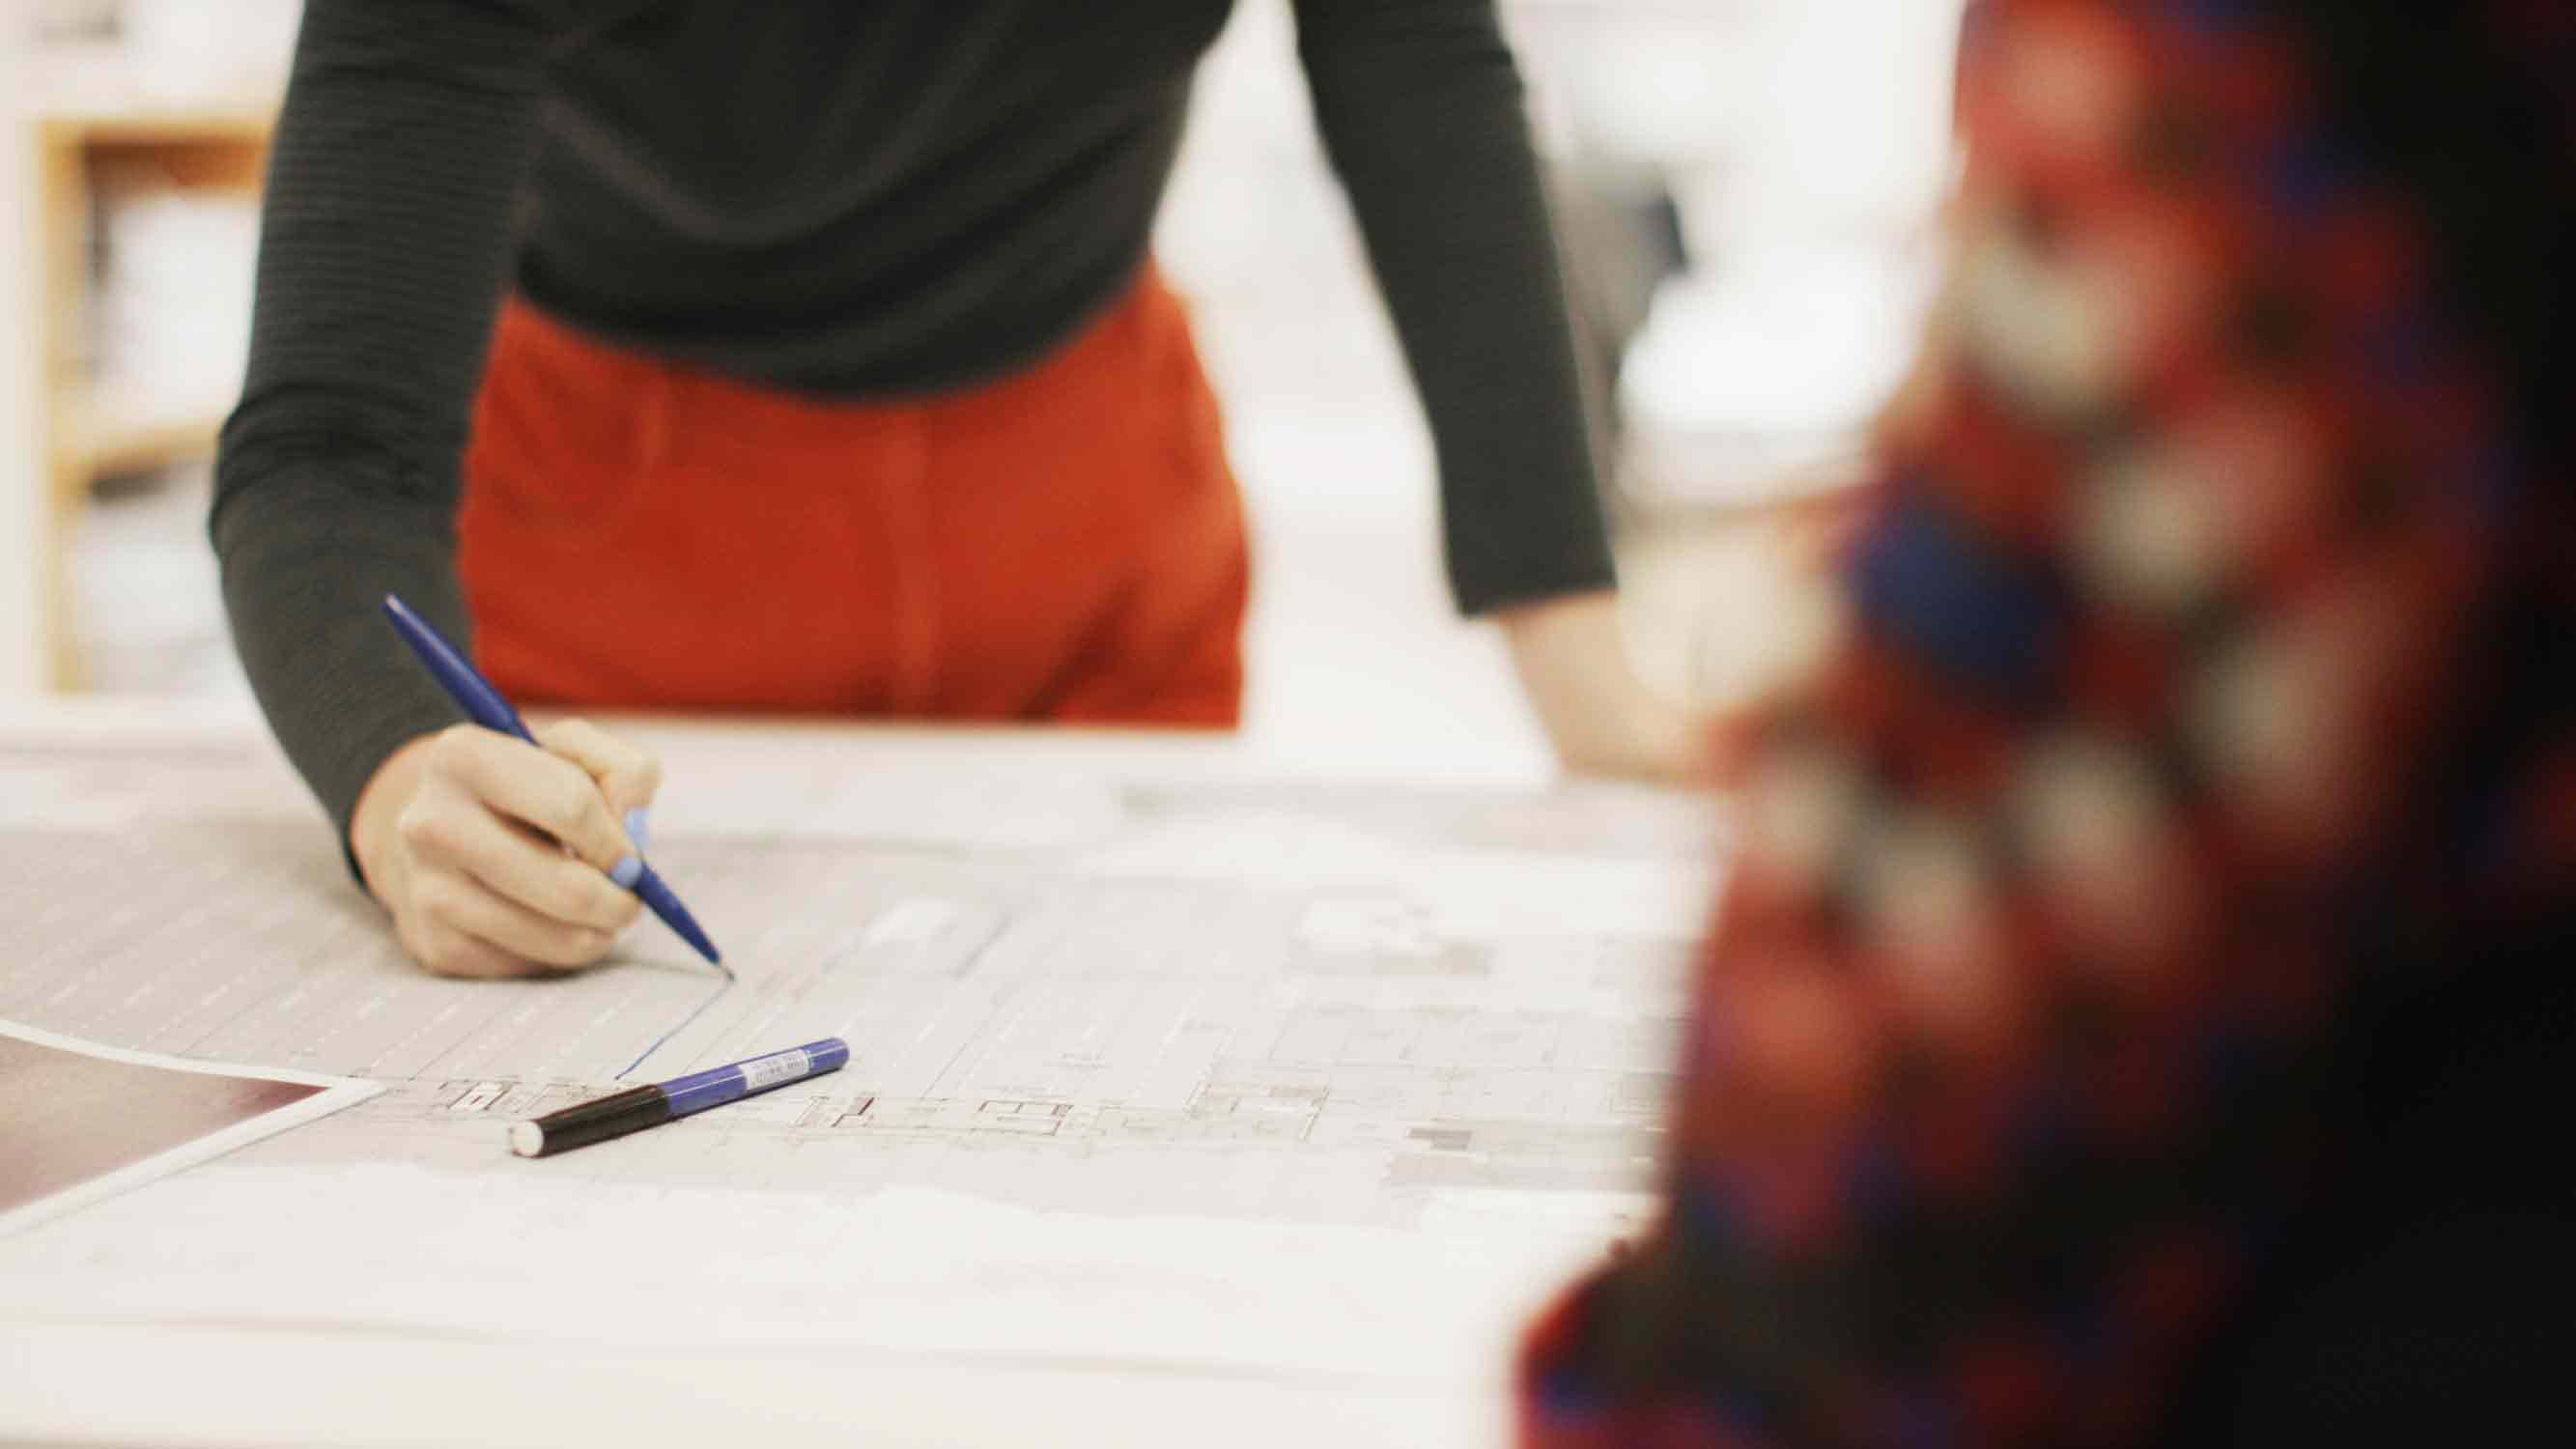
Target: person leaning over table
(2141,1009)
(832,376)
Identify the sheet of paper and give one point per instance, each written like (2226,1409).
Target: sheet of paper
(80,1123)
(1234,1076)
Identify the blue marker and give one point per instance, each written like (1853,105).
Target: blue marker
(485,706)
(637,1108)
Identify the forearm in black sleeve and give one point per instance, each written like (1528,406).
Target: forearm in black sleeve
(1421,107)
(384,242)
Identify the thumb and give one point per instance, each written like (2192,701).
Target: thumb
(628,775)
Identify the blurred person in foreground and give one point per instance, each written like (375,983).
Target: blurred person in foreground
(832,377)
(2141,1009)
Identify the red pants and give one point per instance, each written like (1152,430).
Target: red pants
(1063,544)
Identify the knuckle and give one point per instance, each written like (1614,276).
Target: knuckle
(426,829)
(578,946)
(453,746)
(439,899)
(570,897)
(414,825)
(574,896)
(565,896)
(571,802)
(604,906)
(604,837)
(545,946)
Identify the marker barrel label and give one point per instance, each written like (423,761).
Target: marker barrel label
(769,1071)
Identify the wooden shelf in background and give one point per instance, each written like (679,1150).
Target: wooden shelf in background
(81,432)
(100,440)
(185,127)
(211,150)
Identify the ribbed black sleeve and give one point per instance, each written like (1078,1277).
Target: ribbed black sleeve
(1422,110)
(383,250)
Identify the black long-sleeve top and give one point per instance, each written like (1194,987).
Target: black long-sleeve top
(837,198)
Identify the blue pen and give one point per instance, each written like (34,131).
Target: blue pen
(637,1108)
(487,708)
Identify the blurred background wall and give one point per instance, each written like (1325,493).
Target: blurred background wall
(1744,187)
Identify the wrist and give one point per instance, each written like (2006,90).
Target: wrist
(380,804)
(1571,653)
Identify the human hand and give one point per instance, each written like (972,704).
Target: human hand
(493,855)
(1572,658)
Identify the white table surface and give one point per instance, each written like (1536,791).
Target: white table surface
(214,1383)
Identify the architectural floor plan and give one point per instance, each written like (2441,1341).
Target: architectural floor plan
(1210,1047)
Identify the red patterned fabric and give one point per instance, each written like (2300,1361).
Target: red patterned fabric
(2201,698)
